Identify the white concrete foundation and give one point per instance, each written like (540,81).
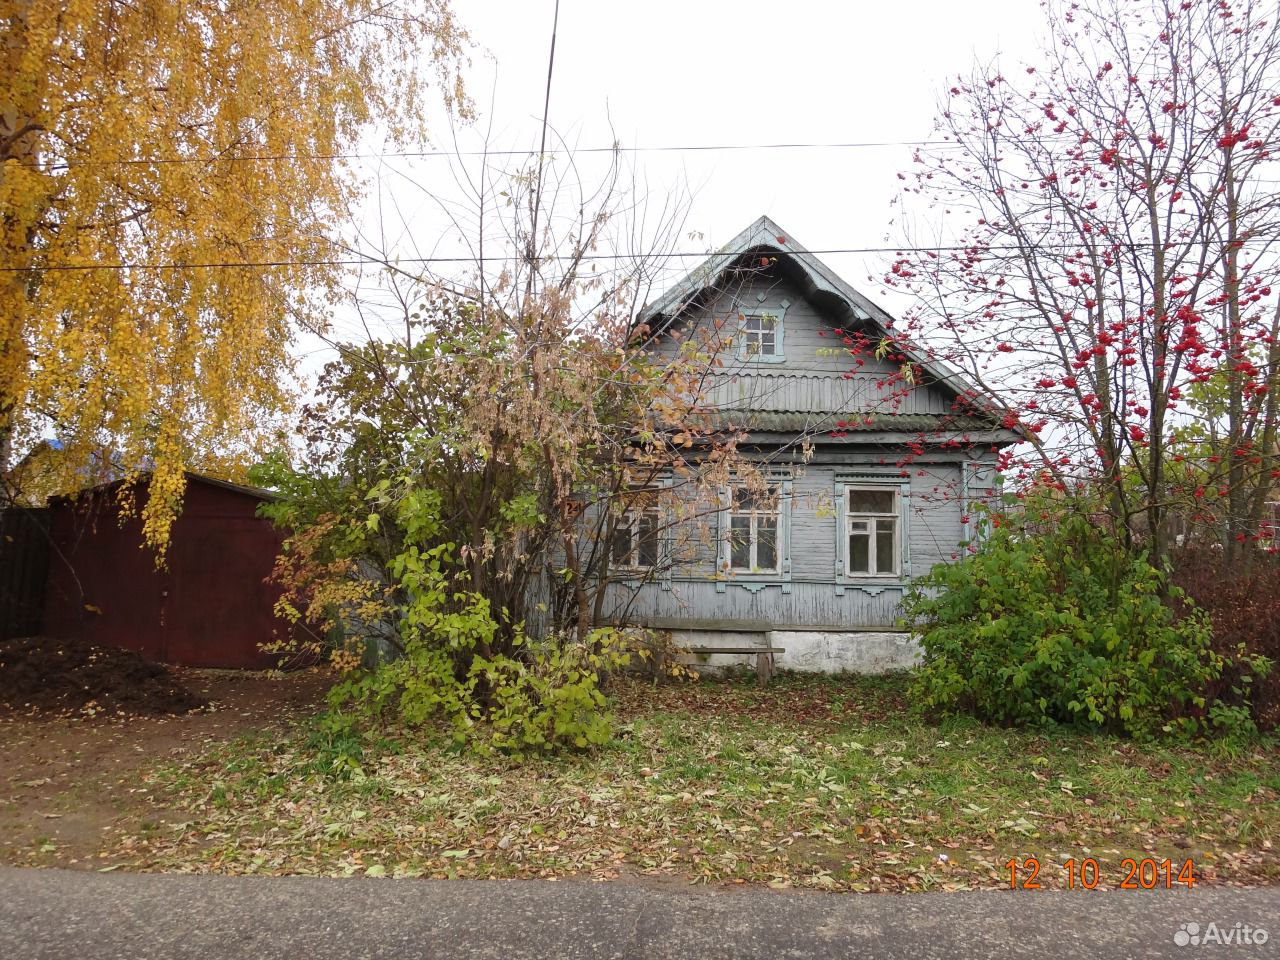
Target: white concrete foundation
(826,651)
(805,651)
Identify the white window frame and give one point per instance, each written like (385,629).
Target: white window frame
(629,525)
(754,515)
(872,519)
(764,323)
(745,337)
(980,484)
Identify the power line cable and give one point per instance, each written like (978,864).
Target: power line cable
(401,154)
(367,259)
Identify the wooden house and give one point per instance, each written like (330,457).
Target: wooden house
(874,457)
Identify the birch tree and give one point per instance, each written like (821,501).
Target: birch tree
(169,177)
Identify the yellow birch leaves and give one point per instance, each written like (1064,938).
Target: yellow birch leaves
(169,181)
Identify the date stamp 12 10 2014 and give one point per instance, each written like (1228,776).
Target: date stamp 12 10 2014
(1148,873)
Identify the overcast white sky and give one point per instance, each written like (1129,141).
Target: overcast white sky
(685,74)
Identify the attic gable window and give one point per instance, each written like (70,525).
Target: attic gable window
(759,336)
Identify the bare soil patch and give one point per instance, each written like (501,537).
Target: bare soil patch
(71,791)
(69,676)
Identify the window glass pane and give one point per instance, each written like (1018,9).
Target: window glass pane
(647,548)
(871,501)
(759,335)
(621,553)
(766,553)
(740,543)
(859,553)
(886,562)
(767,546)
(859,526)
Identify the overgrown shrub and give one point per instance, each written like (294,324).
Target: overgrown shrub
(655,655)
(547,700)
(1060,626)
(1244,609)
(383,555)
(460,489)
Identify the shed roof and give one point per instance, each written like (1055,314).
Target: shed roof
(256,492)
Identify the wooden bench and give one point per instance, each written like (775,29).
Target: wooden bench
(764,657)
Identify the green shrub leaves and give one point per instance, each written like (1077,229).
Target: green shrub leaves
(1060,626)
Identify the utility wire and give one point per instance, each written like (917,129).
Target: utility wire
(399,154)
(367,259)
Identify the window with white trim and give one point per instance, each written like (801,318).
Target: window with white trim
(873,532)
(636,535)
(759,335)
(753,531)
(980,499)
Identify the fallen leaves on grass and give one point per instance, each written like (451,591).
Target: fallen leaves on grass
(829,796)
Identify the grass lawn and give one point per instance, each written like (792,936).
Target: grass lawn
(814,782)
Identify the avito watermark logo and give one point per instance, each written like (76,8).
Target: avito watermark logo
(1191,934)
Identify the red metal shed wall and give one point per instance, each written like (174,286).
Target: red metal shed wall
(210,608)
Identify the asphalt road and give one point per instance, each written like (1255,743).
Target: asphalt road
(88,916)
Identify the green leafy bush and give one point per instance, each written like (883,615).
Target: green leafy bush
(545,701)
(1060,626)
(454,661)
(337,744)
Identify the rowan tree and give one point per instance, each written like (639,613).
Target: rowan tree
(1106,256)
(169,177)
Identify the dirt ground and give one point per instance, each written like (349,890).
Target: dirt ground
(72,676)
(69,791)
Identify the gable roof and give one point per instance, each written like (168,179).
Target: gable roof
(817,281)
(762,235)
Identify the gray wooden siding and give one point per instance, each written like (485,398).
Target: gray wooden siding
(812,393)
(811,378)
(815,376)
(810,597)
(693,605)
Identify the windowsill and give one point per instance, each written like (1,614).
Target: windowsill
(632,573)
(871,585)
(762,358)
